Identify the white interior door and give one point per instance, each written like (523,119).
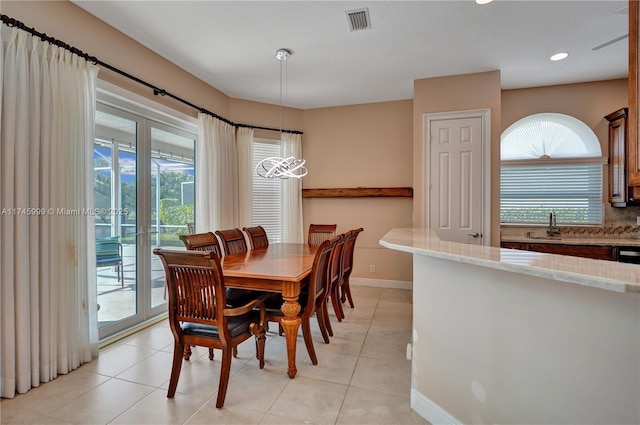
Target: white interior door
(456,186)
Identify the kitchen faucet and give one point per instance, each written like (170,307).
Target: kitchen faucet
(553,229)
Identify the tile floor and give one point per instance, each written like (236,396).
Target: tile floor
(362,377)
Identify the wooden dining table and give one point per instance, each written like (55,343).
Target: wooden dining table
(281,267)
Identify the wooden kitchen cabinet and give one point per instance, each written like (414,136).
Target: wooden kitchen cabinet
(618,157)
(620,192)
(633,152)
(596,252)
(586,251)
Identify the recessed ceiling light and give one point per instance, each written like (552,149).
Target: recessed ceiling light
(559,56)
(483,1)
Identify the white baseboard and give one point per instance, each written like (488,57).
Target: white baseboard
(431,411)
(381,283)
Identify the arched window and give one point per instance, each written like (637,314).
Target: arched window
(550,163)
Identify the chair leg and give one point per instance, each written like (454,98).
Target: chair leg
(235,351)
(327,320)
(308,341)
(260,341)
(178,350)
(346,289)
(187,352)
(224,376)
(210,353)
(322,323)
(337,305)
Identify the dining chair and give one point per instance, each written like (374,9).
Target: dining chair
(319,233)
(198,313)
(233,241)
(109,253)
(257,237)
(191,228)
(311,299)
(202,242)
(347,265)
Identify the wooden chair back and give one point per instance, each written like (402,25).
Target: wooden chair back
(257,237)
(233,241)
(196,290)
(319,233)
(202,242)
(335,275)
(318,288)
(347,254)
(335,263)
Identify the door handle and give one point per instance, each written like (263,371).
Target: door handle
(475,235)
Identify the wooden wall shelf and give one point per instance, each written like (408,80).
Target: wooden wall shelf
(359,192)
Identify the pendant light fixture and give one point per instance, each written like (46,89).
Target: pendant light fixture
(275,167)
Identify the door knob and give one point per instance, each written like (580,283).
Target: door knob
(475,235)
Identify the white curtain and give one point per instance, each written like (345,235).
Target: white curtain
(245,175)
(47,247)
(292,229)
(217,175)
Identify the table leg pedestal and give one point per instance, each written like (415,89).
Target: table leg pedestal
(291,323)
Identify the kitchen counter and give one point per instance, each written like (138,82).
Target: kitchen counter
(510,336)
(582,271)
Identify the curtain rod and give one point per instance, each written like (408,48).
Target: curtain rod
(11,22)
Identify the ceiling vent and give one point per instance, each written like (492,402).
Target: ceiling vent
(358,19)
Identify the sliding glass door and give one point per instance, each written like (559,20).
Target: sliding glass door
(143,181)
(172,197)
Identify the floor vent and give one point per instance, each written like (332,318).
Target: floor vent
(358,19)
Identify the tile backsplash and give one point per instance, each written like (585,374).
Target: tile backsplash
(619,223)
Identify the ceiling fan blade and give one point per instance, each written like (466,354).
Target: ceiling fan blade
(608,43)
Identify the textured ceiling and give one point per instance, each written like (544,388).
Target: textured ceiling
(231,44)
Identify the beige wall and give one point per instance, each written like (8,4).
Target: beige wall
(588,102)
(362,146)
(265,115)
(456,93)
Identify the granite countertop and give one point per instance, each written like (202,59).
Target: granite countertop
(612,276)
(572,240)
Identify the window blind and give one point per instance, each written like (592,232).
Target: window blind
(267,193)
(528,193)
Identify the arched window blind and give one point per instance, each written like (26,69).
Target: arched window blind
(550,163)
